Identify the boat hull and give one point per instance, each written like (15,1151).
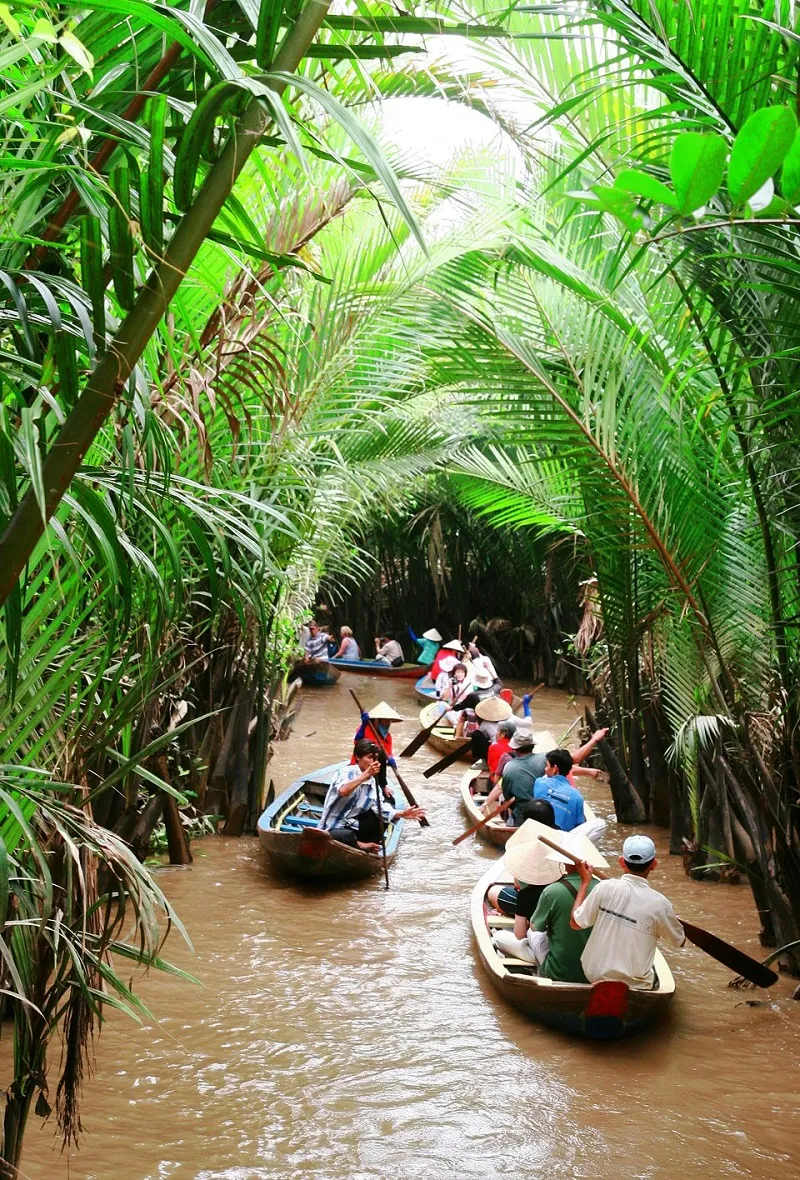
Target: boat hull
(476,782)
(311,854)
(372,668)
(316,674)
(577,1008)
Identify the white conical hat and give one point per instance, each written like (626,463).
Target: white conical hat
(493,709)
(579,845)
(433,634)
(526,857)
(454,645)
(384,712)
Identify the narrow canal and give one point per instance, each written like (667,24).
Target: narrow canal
(351,1033)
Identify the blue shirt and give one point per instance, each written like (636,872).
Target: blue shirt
(566,800)
(342,811)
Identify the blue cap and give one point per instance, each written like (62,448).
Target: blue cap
(638,850)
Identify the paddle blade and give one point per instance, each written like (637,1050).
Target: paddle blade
(448,760)
(415,743)
(730,956)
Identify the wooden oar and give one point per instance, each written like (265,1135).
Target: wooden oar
(424,822)
(382,827)
(477,827)
(448,760)
(723,952)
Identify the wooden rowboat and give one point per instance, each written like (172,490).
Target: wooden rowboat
(295,846)
(315,673)
(601,1011)
(373,668)
(474,788)
(425,689)
(443,737)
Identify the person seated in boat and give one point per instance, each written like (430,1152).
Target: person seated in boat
(490,713)
(550,941)
(499,748)
(375,724)
(519,774)
(316,644)
(451,650)
(348,648)
(566,800)
(442,683)
(429,644)
(627,918)
(458,695)
(519,900)
(388,651)
(479,660)
(482,681)
(353,809)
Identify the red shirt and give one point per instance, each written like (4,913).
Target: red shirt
(368,731)
(496,751)
(441,654)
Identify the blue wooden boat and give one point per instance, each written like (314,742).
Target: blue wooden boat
(602,1011)
(374,668)
(424,688)
(296,846)
(315,673)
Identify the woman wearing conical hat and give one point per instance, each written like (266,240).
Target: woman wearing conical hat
(374,726)
(429,644)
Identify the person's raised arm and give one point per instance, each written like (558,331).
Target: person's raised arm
(585,750)
(353,784)
(584,871)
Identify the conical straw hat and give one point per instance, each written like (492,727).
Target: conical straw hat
(454,645)
(384,712)
(526,857)
(433,634)
(493,709)
(579,845)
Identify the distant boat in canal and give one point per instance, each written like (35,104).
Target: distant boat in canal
(296,846)
(315,673)
(601,1011)
(376,668)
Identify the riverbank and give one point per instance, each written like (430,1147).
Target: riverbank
(352,1032)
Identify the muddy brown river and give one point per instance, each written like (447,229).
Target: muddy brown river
(351,1032)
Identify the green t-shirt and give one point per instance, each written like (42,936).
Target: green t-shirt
(552,915)
(428,650)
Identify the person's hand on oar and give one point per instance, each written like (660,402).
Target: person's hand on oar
(722,951)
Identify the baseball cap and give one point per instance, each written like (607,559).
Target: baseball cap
(638,850)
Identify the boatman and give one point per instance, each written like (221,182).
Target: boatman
(428,644)
(375,725)
(567,801)
(628,918)
(316,644)
(352,809)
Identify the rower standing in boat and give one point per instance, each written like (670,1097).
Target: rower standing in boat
(348,648)
(627,918)
(374,727)
(429,644)
(316,644)
(353,808)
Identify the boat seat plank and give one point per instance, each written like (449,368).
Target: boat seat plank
(499,921)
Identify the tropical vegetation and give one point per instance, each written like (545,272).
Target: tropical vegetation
(250,349)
